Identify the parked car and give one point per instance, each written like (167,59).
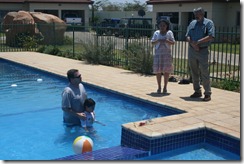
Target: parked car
(134,27)
(71,18)
(108,26)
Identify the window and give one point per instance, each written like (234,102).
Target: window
(52,12)
(238,18)
(174,16)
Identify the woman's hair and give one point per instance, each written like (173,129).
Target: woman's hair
(166,22)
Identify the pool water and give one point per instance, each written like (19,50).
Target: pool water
(31,116)
(201,151)
(31,119)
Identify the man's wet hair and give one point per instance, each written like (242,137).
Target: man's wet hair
(71,73)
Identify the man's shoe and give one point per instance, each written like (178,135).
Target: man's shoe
(196,95)
(207,98)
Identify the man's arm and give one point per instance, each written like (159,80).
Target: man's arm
(204,40)
(210,33)
(80,115)
(193,44)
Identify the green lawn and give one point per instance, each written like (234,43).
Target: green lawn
(225,47)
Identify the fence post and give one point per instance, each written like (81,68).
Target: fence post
(126,43)
(54,43)
(73,29)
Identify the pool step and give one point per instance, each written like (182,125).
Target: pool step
(113,153)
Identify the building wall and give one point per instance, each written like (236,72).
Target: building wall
(223,14)
(183,10)
(232,10)
(60,7)
(12,6)
(219,14)
(7,7)
(47,6)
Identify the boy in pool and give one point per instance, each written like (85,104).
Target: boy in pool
(89,106)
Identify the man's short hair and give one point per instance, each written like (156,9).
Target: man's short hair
(199,9)
(71,73)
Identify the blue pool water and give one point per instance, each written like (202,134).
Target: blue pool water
(201,151)
(31,118)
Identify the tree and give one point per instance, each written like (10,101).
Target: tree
(113,7)
(106,5)
(136,6)
(97,5)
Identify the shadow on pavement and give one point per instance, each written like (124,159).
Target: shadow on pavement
(155,94)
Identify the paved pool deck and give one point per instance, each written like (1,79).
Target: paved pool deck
(222,113)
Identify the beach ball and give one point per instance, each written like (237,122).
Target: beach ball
(82,144)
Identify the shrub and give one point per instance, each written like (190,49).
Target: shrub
(67,41)
(52,50)
(41,48)
(98,54)
(139,58)
(27,41)
(227,84)
(90,53)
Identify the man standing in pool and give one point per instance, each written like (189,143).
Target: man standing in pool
(73,97)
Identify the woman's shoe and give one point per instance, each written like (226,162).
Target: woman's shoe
(159,91)
(164,90)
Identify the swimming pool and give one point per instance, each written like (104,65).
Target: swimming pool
(31,117)
(32,129)
(201,151)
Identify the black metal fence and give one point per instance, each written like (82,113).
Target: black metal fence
(224,55)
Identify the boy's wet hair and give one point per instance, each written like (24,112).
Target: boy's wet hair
(89,102)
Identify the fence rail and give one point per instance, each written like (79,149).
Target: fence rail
(224,57)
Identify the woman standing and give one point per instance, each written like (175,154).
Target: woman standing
(162,60)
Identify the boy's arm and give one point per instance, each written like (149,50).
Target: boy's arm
(100,123)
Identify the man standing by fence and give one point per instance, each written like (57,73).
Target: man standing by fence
(199,34)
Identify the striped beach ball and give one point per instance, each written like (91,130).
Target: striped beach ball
(82,144)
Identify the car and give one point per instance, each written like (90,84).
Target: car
(72,18)
(134,27)
(107,26)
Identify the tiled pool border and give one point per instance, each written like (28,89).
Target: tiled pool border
(112,153)
(134,146)
(179,140)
